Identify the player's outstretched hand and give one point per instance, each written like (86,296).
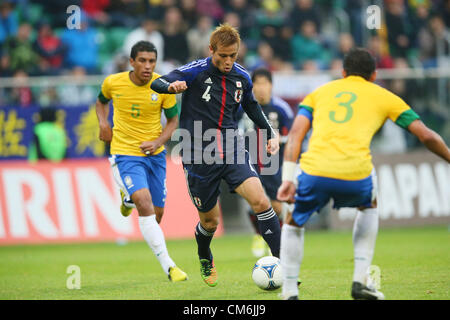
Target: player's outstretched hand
(148,147)
(177,87)
(105,133)
(286,192)
(273,145)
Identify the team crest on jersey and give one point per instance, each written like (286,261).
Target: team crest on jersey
(154,97)
(128,181)
(197,202)
(238,95)
(238,84)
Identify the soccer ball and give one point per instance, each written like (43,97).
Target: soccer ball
(267,273)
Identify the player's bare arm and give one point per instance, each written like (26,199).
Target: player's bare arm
(430,139)
(102,111)
(299,129)
(292,150)
(148,147)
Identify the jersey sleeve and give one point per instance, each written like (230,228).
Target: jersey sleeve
(187,73)
(169,105)
(169,101)
(248,99)
(254,111)
(307,103)
(400,112)
(247,95)
(177,75)
(105,93)
(306,107)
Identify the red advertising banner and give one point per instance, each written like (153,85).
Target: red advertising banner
(78,201)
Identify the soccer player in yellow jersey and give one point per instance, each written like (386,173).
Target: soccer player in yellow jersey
(138,156)
(344,115)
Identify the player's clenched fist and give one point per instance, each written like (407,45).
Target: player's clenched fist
(273,145)
(177,87)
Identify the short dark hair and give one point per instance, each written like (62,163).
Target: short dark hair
(359,62)
(262,72)
(142,46)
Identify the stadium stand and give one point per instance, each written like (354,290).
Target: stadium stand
(283,35)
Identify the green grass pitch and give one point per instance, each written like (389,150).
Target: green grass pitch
(414,265)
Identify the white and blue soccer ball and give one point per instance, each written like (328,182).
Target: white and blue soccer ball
(267,273)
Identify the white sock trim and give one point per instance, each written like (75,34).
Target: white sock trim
(266,215)
(205,232)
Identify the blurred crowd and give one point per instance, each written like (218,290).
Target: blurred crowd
(278,34)
(281,35)
(306,35)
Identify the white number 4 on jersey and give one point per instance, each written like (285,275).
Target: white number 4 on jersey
(206,94)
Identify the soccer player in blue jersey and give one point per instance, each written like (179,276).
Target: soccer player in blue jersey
(213,89)
(280,116)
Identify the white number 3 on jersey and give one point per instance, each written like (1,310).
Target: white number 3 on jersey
(206,94)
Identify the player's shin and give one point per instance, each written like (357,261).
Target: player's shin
(203,238)
(365,231)
(253,221)
(153,235)
(269,227)
(291,256)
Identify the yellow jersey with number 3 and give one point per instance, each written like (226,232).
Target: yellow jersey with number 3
(137,113)
(346,114)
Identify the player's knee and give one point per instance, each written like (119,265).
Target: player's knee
(260,204)
(290,221)
(210,224)
(159,212)
(144,206)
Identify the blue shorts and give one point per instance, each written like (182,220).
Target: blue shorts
(133,173)
(204,180)
(314,192)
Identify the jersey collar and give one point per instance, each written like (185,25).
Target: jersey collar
(138,86)
(356,78)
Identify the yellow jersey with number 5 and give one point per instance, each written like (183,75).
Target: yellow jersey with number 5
(137,112)
(346,114)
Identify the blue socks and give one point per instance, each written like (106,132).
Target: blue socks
(268,225)
(269,228)
(203,238)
